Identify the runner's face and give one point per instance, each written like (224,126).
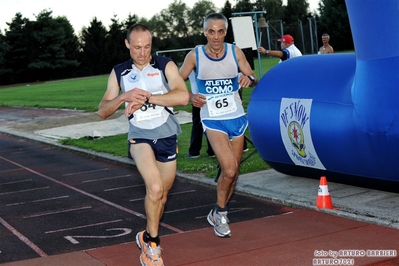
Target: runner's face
(139,46)
(215,33)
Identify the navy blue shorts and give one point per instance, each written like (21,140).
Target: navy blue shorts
(165,150)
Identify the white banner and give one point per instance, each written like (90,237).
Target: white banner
(295,132)
(243,31)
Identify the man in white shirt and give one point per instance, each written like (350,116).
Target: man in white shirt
(289,50)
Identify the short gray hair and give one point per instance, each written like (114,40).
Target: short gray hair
(215,16)
(326,35)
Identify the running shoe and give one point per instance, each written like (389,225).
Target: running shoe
(150,252)
(220,223)
(189,156)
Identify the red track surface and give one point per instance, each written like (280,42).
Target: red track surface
(290,239)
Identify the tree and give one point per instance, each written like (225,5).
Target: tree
(48,47)
(159,29)
(175,18)
(296,10)
(16,39)
(52,39)
(4,72)
(243,6)
(335,21)
(93,45)
(273,8)
(130,21)
(200,10)
(227,11)
(70,44)
(115,43)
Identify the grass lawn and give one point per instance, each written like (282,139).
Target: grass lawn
(86,93)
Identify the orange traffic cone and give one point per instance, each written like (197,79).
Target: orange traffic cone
(323,196)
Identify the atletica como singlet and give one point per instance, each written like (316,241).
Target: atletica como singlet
(150,121)
(217,80)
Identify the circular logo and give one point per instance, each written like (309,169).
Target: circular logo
(295,134)
(133,77)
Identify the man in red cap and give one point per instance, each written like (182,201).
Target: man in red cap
(289,50)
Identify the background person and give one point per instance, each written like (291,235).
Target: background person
(326,48)
(197,132)
(152,138)
(288,49)
(222,113)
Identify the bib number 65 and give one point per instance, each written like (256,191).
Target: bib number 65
(221,103)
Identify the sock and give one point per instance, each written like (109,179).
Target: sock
(147,238)
(219,209)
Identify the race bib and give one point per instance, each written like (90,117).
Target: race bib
(221,104)
(149,111)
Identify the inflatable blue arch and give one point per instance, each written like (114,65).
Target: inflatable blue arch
(335,115)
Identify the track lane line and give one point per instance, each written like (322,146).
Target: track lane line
(23,238)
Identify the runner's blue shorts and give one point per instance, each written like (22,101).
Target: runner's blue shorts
(165,150)
(232,127)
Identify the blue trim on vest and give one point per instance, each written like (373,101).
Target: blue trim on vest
(158,62)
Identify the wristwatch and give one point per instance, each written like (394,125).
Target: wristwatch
(251,78)
(147,99)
